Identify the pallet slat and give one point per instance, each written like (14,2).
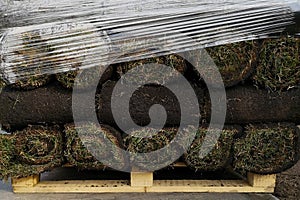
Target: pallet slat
(143,182)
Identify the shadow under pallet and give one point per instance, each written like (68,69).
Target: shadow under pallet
(178,179)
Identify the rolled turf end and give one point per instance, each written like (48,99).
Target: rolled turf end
(31,151)
(32,82)
(267,149)
(140,146)
(235,62)
(85,78)
(278,66)
(135,67)
(91,136)
(219,156)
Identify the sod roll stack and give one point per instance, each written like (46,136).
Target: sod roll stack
(262,80)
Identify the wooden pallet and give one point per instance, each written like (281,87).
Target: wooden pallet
(143,182)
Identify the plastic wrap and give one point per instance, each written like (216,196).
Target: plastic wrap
(46,36)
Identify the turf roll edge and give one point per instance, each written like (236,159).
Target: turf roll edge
(267,148)
(30,151)
(86,150)
(220,155)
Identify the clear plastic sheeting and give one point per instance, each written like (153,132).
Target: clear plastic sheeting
(46,36)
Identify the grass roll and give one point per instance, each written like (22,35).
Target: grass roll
(50,105)
(87,77)
(247,104)
(31,56)
(92,136)
(278,66)
(141,101)
(267,149)
(235,62)
(136,67)
(218,157)
(160,138)
(31,151)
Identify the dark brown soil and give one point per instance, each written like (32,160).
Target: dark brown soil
(288,184)
(53,104)
(49,104)
(140,103)
(247,104)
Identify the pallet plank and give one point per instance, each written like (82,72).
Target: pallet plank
(141,182)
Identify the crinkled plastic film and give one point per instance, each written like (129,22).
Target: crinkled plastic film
(49,36)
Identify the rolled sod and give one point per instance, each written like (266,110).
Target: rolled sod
(31,151)
(51,104)
(77,153)
(267,149)
(7,155)
(220,155)
(140,103)
(32,55)
(278,66)
(235,62)
(86,77)
(140,69)
(247,104)
(31,83)
(156,139)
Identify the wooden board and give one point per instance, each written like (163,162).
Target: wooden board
(143,182)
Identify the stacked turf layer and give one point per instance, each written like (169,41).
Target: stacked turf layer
(30,151)
(80,147)
(245,105)
(244,102)
(218,155)
(267,149)
(52,104)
